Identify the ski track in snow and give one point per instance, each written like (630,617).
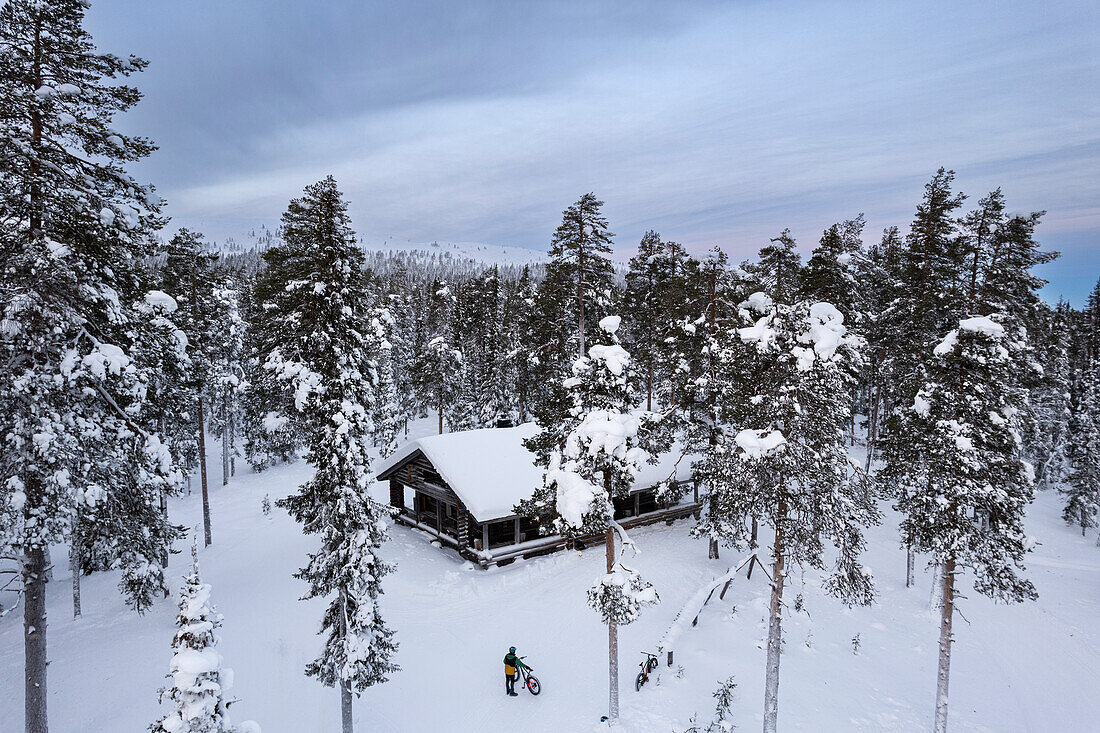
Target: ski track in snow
(1029,667)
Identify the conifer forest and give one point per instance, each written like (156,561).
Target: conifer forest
(267,469)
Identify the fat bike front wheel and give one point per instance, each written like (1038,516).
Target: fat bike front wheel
(533,685)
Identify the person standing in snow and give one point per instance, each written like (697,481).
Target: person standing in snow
(512,663)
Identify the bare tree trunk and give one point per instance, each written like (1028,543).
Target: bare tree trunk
(202,476)
(225,455)
(712,551)
(164,514)
(946,614)
(74,565)
(612,643)
(872,427)
(441,416)
(909,566)
(345,707)
(580,299)
(35,567)
(852,420)
(775,631)
(35,559)
(935,601)
(232,444)
(649,387)
(345,690)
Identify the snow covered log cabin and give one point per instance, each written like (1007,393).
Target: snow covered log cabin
(463,488)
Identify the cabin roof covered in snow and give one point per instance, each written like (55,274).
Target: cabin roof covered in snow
(492,471)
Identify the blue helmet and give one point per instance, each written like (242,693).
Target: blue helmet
(511,650)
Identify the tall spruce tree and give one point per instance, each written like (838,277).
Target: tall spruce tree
(930,295)
(1082,485)
(829,274)
(876,288)
(1048,432)
(386,416)
(778,269)
(188,276)
(328,364)
(73,228)
(438,366)
(963,489)
(271,435)
(226,377)
(694,348)
(653,301)
(545,345)
(168,402)
(579,260)
(642,304)
(592,458)
(519,327)
(780,457)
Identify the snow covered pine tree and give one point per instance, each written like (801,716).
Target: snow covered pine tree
(438,366)
(188,275)
(199,682)
(781,459)
(327,361)
(74,227)
(1082,486)
(963,487)
(386,414)
(579,261)
(597,451)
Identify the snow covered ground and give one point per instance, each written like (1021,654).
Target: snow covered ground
(1034,667)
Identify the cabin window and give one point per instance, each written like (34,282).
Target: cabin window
(450,520)
(623,507)
(647,502)
(425,508)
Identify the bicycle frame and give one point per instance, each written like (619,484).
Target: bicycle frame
(530,681)
(647,665)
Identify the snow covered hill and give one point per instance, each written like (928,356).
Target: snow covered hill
(490,254)
(1034,667)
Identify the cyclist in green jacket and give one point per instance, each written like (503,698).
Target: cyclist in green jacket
(512,664)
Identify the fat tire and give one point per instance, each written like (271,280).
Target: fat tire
(639,681)
(532,685)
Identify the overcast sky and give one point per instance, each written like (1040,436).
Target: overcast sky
(714,123)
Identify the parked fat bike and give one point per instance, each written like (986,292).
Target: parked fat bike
(530,681)
(648,665)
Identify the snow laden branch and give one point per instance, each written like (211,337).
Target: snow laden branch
(619,595)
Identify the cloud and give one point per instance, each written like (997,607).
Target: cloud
(722,124)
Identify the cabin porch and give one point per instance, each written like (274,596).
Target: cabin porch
(439,512)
